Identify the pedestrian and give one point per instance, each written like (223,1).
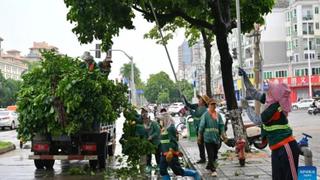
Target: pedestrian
(211,130)
(169,150)
(105,66)
(196,112)
(141,133)
(152,129)
(89,62)
(275,127)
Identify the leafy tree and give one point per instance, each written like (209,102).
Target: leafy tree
(102,19)
(156,84)
(185,88)
(125,71)
(192,33)
(163,97)
(8,91)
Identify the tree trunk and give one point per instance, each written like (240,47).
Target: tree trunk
(227,79)
(207,46)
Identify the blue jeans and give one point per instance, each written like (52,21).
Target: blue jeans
(173,164)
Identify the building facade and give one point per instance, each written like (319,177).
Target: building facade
(12,65)
(35,51)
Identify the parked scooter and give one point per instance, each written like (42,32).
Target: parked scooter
(253,132)
(313,110)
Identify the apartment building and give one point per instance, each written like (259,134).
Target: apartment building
(12,65)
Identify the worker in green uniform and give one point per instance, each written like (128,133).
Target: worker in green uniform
(275,127)
(152,130)
(169,150)
(197,110)
(211,130)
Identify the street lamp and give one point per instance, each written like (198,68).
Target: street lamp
(239,42)
(1,39)
(309,63)
(132,84)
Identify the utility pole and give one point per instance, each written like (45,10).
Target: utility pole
(257,62)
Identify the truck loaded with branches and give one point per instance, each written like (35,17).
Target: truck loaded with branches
(68,111)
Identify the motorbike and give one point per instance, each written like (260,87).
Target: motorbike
(253,132)
(313,110)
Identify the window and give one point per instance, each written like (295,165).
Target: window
(309,55)
(316,10)
(250,75)
(289,45)
(317,25)
(295,43)
(294,13)
(318,41)
(307,28)
(296,57)
(301,72)
(311,44)
(267,75)
(295,28)
(319,56)
(281,74)
(316,71)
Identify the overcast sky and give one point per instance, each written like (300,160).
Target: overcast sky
(24,21)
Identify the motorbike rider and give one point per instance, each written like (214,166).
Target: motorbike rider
(275,127)
(197,110)
(170,151)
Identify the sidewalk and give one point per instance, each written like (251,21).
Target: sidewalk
(258,164)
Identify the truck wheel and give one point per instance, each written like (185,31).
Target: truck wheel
(39,163)
(48,164)
(93,164)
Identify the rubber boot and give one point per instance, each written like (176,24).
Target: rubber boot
(193,173)
(166,177)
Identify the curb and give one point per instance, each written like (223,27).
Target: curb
(7,149)
(186,159)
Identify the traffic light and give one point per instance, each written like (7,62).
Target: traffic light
(98,51)
(234,53)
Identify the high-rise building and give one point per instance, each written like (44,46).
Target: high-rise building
(184,61)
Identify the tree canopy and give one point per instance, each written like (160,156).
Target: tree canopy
(125,71)
(100,19)
(161,89)
(8,91)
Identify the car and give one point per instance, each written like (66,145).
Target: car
(174,108)
(8,119)
(302,104)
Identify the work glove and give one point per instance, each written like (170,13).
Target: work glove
(242,73)
(244,104)
(224,137)
(169,155)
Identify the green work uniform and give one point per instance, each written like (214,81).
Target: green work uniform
(140,131)
(196,113)
(169,139)
(211,128)
(154,132)
(275,127)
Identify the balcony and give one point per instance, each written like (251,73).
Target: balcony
(307,18)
